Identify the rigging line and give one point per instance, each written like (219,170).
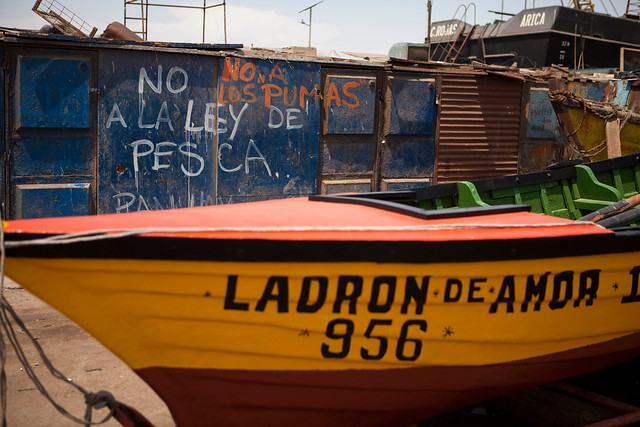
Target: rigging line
(120,233)
(7,326)
(24,360)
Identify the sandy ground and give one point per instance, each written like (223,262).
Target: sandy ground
(78,356)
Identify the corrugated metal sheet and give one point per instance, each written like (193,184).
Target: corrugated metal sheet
(479,127)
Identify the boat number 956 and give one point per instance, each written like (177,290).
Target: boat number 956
(408,347)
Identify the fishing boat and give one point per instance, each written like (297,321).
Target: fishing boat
(595,130)
(376,309)
(575,37)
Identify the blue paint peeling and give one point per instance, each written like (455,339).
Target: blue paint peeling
(104,128)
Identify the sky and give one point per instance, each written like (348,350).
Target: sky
(366,26)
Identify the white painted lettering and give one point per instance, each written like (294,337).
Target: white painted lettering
(136,151)
(272,124)
(145,78)
(129,201)
(236,118)
(185,79)
(188,125)
(163,116)
(259,157)
(158,153)
(190,154)
(291,117)
(209,117)
(116,116)
(224,169)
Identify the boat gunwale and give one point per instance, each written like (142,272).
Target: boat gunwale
(193,248)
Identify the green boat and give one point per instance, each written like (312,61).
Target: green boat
(606,191)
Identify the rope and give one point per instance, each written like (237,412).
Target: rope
(93,401)
(92,236)
(593,151)
(8,314)
(616,110)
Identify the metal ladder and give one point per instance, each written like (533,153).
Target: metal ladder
(141,18)
(582,5)
(633,8)
(453,49)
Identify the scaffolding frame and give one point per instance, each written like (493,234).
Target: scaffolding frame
(143,18)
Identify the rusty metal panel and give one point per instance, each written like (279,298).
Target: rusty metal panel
(542,143)
(587,90)
(479,127)
(52,132)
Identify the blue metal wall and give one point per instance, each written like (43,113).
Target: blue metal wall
(269,125)
(51,133)
(378,130)
(350,122)
(106,128)
(158,127)
(408,147)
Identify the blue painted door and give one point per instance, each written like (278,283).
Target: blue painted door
(378,130)
(51,133)
(350,129)
(407,146)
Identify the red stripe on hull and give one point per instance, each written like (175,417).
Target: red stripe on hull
(206,397)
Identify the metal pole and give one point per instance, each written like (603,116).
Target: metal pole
(146,20)
(224,7)
(310,9)
(204,17)
(429,30)
(310,19)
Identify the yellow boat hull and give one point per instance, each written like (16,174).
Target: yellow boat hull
(592,133)
(315,316)
(340,324)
